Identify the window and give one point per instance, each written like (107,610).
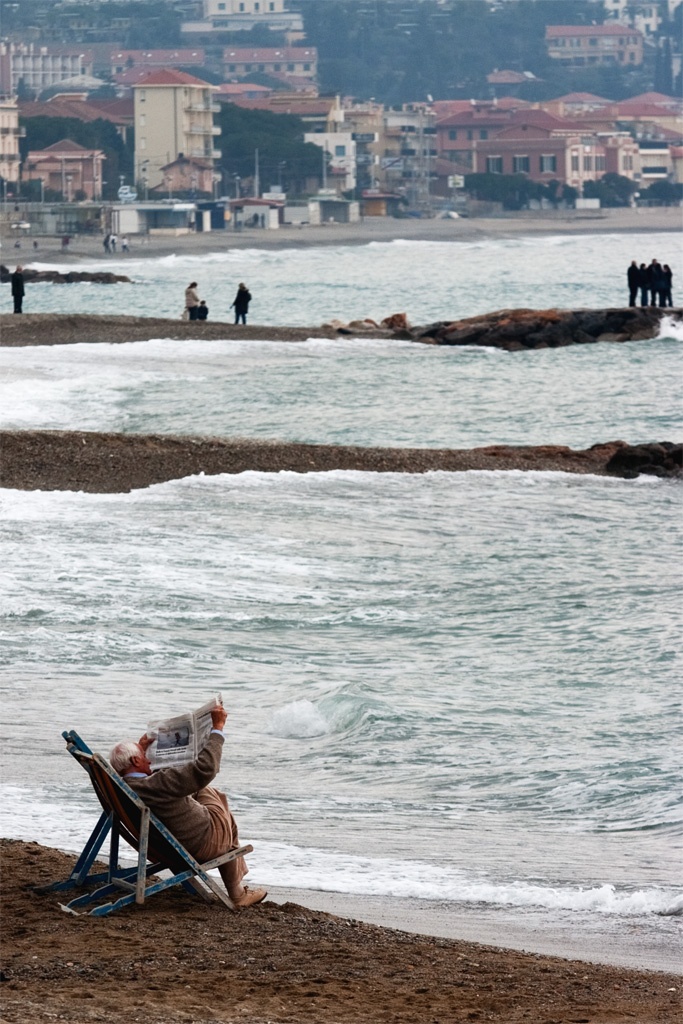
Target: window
(494,165)
(599,163)
(257,7)
(484,133)
(520,165)
(575,161)
(277,67)
(241,7)
(143,120)
(141,95)
(452,133)
(340,150)
(307,67)
(221,7)
(588,163)
(271,7)
(262,67)
(143,143)
(232,67)
(290,67)
(470,133)
(247,68)
(547,164)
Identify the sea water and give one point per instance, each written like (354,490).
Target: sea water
(458,690)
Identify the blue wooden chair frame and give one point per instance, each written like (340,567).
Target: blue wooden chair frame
(125,816)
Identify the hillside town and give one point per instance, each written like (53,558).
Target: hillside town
(216,130)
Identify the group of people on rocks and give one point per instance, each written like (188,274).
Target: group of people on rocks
(653,282)
(197,309)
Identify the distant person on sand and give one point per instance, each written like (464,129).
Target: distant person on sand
(124,243)
(112,242)
(196,813)
(633,278)
(241,303)
(203,311)
(18,292)
(192,301)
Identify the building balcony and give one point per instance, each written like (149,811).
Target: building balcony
(199,108)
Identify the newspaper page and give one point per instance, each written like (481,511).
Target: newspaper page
(178,740)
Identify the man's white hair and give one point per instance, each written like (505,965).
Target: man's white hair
(121,756)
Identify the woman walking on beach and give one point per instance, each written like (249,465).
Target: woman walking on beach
(241,303)
(192,301)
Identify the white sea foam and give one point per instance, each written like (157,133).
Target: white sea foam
(299,719)
(670,328)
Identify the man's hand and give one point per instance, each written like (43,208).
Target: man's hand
(219,717)
(144,742)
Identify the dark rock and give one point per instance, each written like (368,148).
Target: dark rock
(515,329)
(70,277)
(653,459)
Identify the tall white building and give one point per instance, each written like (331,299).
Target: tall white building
(243,15)
(173,119)
(9,138)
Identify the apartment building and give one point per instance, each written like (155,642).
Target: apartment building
(152,60)
(173,119)
(68,168)
(545,154)
(244,15)
(35,68)
(296,61)
(594,45)
(646,16)
(9,138)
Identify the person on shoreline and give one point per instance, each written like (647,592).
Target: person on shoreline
(192,301)
(203,311)
(18,290)
(241,303)
(197,814)
(668,279)
(105,243)
(633,278)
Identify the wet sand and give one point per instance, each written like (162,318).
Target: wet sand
(177,959)
(372,229)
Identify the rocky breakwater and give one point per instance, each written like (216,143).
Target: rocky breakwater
(104,463)
(518,329)
(70,277)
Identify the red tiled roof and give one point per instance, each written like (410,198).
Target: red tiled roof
(169,76)
(591,30)
(511,103)
(160,58)
(580,97)
(630,108)
(65,146)
(298,107)
(241,89)
(654,97)
(79,109)
(270,53)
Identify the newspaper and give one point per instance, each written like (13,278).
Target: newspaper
(178,740)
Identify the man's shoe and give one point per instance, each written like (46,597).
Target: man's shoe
(248,897)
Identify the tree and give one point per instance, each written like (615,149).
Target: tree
(512,190)
(279,138)
(611,190)
(664,193)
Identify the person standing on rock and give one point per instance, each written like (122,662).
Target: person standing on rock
(192,301)
(241,303)
(668,277)
(644,284)
(633,278)
(18,291)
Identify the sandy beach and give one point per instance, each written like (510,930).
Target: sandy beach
(373,229)
(178,959)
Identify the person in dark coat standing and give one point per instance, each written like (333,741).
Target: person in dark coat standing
(18,290)
(633,278)
(657,284)
(644,284)
(668,277)
(241,303)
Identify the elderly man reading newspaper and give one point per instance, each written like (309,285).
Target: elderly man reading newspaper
(197,814)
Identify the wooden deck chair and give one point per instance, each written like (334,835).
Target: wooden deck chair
(125,816)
